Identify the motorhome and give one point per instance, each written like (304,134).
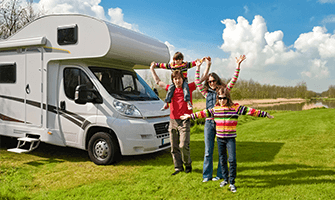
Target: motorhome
(69,80)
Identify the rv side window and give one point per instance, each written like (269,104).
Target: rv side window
(67,35)
(74,77)
(8,73)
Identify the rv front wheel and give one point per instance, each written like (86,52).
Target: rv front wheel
(103,148)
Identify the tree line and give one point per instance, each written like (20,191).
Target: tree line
(330,93)
(250,89)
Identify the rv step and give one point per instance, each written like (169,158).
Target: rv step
(18,150)
(22,141)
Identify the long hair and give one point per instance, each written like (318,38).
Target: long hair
(216,78)
(220,90)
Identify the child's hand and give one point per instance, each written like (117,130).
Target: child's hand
(208,60)
(270,116)
(198,63)
(152,66)
(185,116)
(240,59)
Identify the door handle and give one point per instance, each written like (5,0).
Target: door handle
(62,105)
(27,89)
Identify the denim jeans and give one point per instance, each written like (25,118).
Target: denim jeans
(171,89)
(224,145)
(210,133)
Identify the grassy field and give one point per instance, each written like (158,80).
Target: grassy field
(289,157)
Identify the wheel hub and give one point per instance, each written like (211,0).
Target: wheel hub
(101,149)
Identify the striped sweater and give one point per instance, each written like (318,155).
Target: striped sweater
(229,86)
(226,117)
(183,67)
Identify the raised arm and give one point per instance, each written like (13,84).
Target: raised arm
(155,76)
(208,66)
(198,81)
(232,82)
(162,65)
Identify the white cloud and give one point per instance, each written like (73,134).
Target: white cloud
(185,52)
(328,19)
(246,9)
(317,70)
(88,7)
(269,61)
(326,1)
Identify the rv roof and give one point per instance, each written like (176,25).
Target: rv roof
(75,36)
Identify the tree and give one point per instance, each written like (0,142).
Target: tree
(14,15)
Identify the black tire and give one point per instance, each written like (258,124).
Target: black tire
(103,149)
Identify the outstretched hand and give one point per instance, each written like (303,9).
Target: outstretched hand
(185,116)
(270,116)
(240,59)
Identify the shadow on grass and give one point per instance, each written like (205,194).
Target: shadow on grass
(246,152)
(274,175)
(52,153)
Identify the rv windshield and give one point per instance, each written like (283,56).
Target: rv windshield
(124,85)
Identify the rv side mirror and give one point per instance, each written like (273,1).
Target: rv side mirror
(80,95)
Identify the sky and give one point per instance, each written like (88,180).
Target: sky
(285,42)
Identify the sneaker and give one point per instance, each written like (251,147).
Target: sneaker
(223,183)
(166,106)
(216,179)
(232,188)
(176,172)
(205,180)
(189,105)
(188,169)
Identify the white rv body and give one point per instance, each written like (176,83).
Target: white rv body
(41,67)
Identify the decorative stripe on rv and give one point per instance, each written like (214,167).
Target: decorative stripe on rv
(53,49)
(6,118)
(73,117)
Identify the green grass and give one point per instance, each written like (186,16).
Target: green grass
(328,99)
(289,157)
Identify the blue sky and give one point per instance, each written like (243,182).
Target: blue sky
(188,25)
(286,42)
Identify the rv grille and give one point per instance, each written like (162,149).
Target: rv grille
(161,128)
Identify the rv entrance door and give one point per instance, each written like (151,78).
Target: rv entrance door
(74,118)
(33,87)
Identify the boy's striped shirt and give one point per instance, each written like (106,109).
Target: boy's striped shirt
(183,67)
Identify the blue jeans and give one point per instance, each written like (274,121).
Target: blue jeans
(210,133)
(224,145)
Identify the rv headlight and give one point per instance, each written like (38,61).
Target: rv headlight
(127,109)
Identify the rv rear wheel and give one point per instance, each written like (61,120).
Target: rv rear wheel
(103,149)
